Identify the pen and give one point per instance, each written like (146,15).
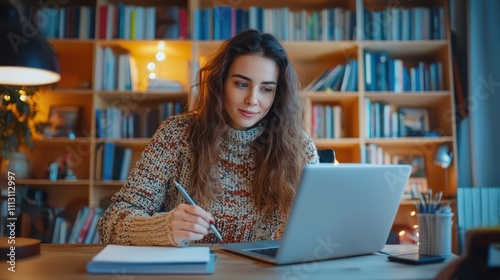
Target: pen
(190,200)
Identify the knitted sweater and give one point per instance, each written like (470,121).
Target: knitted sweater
(140,212)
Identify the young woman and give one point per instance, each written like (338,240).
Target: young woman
(239,154)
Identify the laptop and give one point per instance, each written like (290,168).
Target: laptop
(339,211)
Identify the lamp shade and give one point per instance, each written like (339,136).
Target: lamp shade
(443,156)
(26,57)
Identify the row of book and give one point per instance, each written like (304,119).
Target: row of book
(62,22)
(223,22)
(83,230)
(119,68)
(115,123)
(113,162)
(326,121)
(386,120)
(130,22)
(343,77)
(384,73)
(398,24)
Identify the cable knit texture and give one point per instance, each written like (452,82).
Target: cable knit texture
(140,212)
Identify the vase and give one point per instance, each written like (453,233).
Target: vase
(18,164)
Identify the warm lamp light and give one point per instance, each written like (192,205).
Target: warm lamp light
(26,58)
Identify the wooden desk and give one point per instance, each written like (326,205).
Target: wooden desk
(68,261)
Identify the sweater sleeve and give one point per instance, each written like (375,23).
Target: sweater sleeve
(134,216)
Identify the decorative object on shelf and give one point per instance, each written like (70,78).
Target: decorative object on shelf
(415,121)
(62,122)
(18,164)
(417,183)
(26,58)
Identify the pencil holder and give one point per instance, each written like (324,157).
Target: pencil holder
(434,236)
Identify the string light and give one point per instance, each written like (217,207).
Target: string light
(160,56)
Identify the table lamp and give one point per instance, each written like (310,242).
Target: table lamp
(26,59)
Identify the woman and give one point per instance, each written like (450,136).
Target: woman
(239,154)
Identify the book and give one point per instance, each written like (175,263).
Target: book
(152,260)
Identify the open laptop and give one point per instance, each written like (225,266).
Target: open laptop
(339,211)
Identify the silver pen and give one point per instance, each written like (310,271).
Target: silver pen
(191,201)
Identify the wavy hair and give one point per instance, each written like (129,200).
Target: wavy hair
(279,150)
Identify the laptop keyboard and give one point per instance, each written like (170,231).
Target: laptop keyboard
(271,252)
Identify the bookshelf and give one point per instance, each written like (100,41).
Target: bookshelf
(314,48)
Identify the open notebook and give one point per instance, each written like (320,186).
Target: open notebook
(118,259)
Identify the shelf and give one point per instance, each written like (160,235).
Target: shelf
(338,143)
(81,62)
(140,96)
(60,140)
(126,142)
(46,182)
(320,49)
(72,91)
(109,183)
(295,49)
(323,96)
(413,99)
(409,141)
(402,49)
(148,48)
(413,201)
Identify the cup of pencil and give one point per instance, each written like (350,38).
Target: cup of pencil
(435,225)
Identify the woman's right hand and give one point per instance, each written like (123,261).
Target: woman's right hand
(189,222)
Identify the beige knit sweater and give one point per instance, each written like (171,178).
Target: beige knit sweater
(140,211)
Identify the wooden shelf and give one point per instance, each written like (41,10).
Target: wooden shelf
(142,96)
(409,141)
(58,183)
(82,78)
(404,49)
(338,143)
(125,142)
(60,140)
(109,183)
(412,99)
(413,201)
(320,96)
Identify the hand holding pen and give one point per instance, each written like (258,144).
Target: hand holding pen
(190,222)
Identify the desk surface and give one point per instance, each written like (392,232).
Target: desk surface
(68,261)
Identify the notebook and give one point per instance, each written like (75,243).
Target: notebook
(339,211)
(118,259)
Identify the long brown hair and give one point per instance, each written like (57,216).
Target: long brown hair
(279,150)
